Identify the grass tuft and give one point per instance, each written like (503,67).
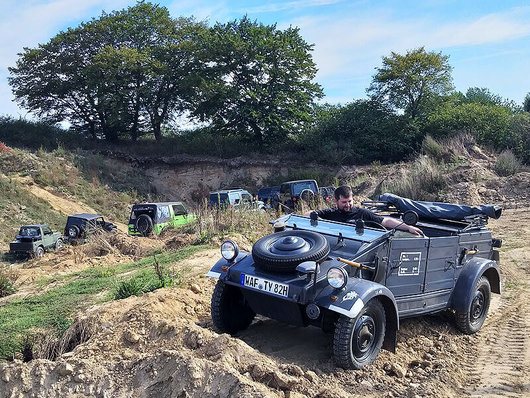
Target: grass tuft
(507,164)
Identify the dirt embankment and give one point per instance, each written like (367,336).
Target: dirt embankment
(163,344)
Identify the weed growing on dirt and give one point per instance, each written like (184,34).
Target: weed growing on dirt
(507,164)
(220,222)
(147,280)
(424,180)
(7,286)
(54,309)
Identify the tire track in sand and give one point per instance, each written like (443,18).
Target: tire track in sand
(501,367)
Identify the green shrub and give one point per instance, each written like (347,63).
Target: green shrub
(507,164)
(132,287)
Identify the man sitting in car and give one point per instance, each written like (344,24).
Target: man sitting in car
(346,212)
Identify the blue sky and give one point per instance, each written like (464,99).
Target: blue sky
(488,41)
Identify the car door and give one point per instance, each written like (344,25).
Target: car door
(441,263)
(180,216)
(47,237)
(406,265)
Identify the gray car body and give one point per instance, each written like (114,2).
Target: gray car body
(27,245)
(415,275)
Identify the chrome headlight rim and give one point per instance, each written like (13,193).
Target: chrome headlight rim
(337,277)
(229,250)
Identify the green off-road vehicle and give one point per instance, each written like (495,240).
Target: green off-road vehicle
(34,240)
(152,218)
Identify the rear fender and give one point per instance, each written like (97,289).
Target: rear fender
(472,271)
(352,299)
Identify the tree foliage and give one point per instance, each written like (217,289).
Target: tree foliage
(122,74)
(361,132)
(260,82)
(406,82)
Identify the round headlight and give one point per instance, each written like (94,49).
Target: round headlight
(229,250)
(337,277)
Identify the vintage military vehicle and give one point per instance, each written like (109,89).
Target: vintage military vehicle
(80,226)
(358,280)
(34,240)
(151,218)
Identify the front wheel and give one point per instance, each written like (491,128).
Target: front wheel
(230,311)
(39,252)
(59,244)
(471,320)
(357,341)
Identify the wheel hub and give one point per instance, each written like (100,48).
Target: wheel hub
(290,245)
(477,306)
(364,336)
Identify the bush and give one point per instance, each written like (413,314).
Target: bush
(507,164)
(132,287)
(422,181)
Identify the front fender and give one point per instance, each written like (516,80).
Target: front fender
(472,271)
(221,267)
(352,299)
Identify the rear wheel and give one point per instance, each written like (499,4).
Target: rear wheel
(73,231)
(357,341)
(472,318)
(144,224)
(230,311)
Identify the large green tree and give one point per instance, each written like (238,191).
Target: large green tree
(259,82)
(123,74)
(408,82)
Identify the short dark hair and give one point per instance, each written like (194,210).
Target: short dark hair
(344,191)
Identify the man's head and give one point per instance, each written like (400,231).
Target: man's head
(343,198)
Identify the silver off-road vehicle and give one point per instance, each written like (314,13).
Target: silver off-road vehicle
(358,281)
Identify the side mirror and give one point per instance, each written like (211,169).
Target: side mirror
(410,217)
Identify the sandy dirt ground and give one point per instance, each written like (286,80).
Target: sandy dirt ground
(163,344)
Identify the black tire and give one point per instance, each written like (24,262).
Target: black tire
(471,320)
(59,244)
(73,231)
(283,251)
(39,252)
(357,342)
(144,224)
(230,312)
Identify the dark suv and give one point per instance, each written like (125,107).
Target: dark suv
(359,281)
(293,192)
(267,194)
(80,226)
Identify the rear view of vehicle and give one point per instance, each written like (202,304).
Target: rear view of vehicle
(142,219)
(80,226)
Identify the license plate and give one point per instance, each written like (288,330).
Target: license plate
(265,285)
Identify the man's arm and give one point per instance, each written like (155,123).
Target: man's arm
(389,222)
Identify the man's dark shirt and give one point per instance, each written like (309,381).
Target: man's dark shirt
(356,213)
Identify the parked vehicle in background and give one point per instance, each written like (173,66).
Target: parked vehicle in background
(80,226)
(327,194)
(237,198)
(34,240)
(357,282)
(152,218)
(292,193)
(267,194)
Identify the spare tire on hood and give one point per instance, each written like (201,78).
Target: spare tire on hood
(283,251)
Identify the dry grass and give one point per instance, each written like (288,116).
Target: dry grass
(424,180)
